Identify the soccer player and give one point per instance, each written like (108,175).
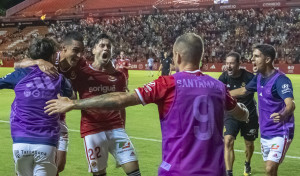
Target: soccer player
(234,77)
(123,64)
(150,65)
(165,65)
(71,47)
(35,134)
(192,140)
(103,130)
(276,106)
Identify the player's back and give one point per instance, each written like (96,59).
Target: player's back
(29,123)
(192,129)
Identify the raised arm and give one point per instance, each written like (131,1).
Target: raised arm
(44,66)
(111,101)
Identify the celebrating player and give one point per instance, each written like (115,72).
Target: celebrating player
(192,140)
(276,106)
(71,46)
(234,78)
(35,135)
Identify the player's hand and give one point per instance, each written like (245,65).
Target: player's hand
(277,117)
(60,105)
(47,68)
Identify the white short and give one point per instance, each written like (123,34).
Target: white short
(274,149)
(34,159)
(63,141)
(115,141)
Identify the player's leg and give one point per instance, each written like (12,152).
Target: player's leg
(23,160)
(96,150)
(274,151)
(44,160)
(62,147)
(122,149)
(231,129)
(250,132)
(151,70)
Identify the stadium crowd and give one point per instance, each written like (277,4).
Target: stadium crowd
(230,30)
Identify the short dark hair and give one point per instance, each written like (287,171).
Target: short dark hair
(42,49)
(236,55)
(193,43)
(100,37)
(267,50)
(73,35)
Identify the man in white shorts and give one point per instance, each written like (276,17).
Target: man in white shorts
(276,106)
(103,130)
(35,134)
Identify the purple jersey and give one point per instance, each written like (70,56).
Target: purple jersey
(192,129)
(268,104)
(29,123)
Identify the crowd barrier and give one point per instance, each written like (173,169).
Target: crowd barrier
(208,67)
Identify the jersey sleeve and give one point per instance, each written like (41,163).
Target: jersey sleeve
(66,88)
(230,102)
(11,79)
(284,87)
(156,90)
(252,85)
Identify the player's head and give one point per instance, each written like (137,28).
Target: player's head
(187,50)
(44,48)
(122,55)
(233,63)
(102,48)
(72,45)
(166,54)
(263,57)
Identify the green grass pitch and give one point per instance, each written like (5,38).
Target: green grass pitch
(142,125)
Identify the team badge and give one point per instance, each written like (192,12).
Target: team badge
(112,78)
(73,75)
(243,84)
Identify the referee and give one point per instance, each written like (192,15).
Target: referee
(234,78)
(165,65)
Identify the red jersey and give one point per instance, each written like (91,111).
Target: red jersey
(89,83)
(162,92)
(120,66)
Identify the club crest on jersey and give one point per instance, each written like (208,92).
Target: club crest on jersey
(73,75)
(112,78)
(243,84)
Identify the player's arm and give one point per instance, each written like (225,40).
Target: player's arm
(111,101)
(237,110)
(44,66)
(285,91)
(243,91)
(11,79)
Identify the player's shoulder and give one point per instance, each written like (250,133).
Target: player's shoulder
(247,74)
(223,77)
(167,80)
(283,79)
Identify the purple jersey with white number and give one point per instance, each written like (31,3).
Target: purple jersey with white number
(29,123)
(268,104)
(192,130)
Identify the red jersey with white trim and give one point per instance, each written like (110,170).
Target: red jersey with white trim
(162,92)
(120,66)
(89,83)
